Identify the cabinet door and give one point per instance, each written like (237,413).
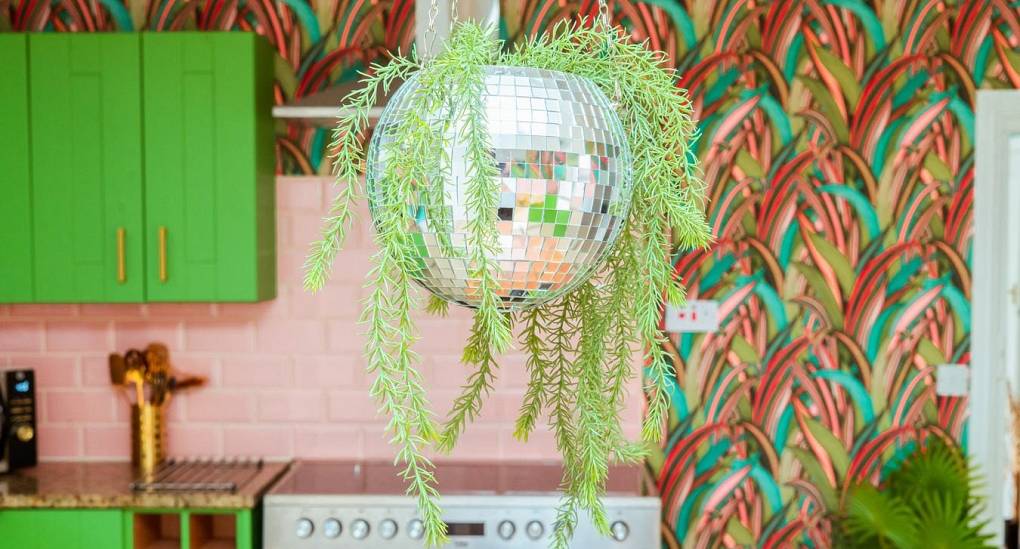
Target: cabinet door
(209,196)
(63,528)
(86,167)
(15,179)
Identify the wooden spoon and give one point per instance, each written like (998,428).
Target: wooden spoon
(117,368)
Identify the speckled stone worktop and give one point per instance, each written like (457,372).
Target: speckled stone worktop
(95,485)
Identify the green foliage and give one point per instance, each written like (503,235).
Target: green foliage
(580,347)
(928,502)
(878,519)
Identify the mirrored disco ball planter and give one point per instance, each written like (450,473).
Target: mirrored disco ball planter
(564,187)
(505,180)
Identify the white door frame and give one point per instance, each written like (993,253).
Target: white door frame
(994,341)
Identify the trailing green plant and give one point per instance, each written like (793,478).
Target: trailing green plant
(580,346)
(929,501)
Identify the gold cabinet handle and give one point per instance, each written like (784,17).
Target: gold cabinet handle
(162,254)
(121,267)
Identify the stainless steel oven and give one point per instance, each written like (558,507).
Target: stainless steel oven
(506,506)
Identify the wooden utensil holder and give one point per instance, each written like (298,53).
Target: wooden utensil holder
(148,436)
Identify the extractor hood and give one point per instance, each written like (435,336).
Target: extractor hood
(322,108)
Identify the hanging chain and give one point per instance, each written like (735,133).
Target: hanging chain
(430,30)
(607,27)
(603,16)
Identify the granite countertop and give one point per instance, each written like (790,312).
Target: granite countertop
(81,485)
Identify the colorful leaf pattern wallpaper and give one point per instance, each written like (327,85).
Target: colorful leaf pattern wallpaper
(837,141)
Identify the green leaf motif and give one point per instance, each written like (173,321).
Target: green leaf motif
(816,474)
(739,533)
(820,290)
(838,261)
(833,447)
(749,165)
(744,351)
(937,168)
(846,78)
(827,104)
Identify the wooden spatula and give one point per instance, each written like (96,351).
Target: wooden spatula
(117,369)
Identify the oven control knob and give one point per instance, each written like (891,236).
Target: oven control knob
(304,528)
(506,529)
(359,529)
(534,529)
(619,530)
(415,529)
(332,528)
(388,529)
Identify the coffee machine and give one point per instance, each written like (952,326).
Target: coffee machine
(18,440)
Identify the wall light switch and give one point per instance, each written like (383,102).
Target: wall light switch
(952,380)
(698,316)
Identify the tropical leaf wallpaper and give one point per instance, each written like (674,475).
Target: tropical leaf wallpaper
(837,140)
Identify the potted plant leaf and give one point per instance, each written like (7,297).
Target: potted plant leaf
(545,186)
(929,501)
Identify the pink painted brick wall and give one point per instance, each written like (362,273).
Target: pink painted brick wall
(285,377)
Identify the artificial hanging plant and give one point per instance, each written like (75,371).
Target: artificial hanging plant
(580,345)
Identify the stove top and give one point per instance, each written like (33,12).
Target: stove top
(373,478)
(334,504)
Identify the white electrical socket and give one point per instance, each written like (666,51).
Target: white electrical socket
(698,316)
(952,380)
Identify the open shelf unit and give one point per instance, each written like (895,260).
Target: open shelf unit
(189,529)
(212,531)
(156,531)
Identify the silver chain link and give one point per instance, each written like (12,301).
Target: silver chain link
(607,27)
(604,14)
(430,30)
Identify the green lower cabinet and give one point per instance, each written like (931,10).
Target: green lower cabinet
(62,528)
(129,529)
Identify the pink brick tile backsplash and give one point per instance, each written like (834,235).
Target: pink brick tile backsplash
(22,336)
(225,336)
(285,377)
(60,441)
(108,441)
(79,335)
(193,439)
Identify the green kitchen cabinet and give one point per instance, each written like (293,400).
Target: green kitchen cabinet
(15,185)
(119,528)
(136,167)
(63,528)
(209,167)
(87,185)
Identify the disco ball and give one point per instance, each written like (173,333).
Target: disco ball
(565,187)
